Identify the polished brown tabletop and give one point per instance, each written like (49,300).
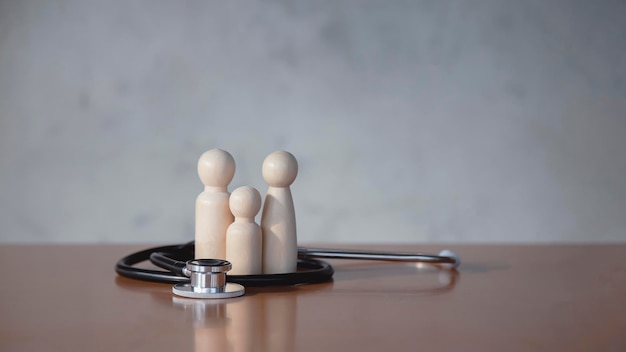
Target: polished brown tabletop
(503,298)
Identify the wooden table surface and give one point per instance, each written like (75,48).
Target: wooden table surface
(503,298)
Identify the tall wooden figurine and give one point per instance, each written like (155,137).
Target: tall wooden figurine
(216,169)
(244,245)
(278,222)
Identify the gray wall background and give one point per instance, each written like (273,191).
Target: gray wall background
(413,121)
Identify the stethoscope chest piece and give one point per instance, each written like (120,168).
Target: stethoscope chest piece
(208,280)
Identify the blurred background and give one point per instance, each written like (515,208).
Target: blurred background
(413,121)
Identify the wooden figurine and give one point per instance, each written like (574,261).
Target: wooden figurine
(244,241)
(216,169)
(278,221)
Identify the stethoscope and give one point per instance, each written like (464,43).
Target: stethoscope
(207,278)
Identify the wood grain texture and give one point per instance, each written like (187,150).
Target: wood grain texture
(504,297)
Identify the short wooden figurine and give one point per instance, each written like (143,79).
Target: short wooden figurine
(244,241)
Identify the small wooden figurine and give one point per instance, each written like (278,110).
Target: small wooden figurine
(278,221)
(216,169)
(244,241)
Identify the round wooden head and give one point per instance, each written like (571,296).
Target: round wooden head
(280,169)
(245,202)
(216,168)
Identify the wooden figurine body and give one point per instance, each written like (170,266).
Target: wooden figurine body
(216,169)
(244,240)
(278,222)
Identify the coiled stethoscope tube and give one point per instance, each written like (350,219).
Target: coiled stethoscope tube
(176,259)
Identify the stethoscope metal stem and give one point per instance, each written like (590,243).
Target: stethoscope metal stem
(377,255)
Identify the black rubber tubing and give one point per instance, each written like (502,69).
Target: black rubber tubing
(173,259)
